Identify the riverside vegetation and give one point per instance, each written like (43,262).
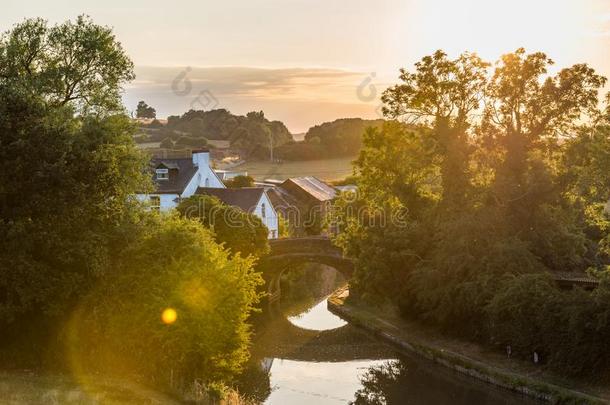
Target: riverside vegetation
(502,180)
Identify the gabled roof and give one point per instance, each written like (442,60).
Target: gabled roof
(245,198)
(314,187)
(183,171)
(169,165)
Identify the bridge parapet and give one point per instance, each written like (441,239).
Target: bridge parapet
(311,245)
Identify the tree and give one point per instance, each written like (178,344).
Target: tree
(79,63)
(240,181)
(527,111)
(174,265)
(70,169)
(240,232)
(143,110)
(444,95)
(501,176)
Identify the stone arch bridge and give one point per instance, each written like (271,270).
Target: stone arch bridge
(287,252)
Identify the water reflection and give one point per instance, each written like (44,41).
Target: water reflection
(305,383)
(317,318)
(303,354)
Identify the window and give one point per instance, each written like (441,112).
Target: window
(155,202)
(272,233)
(263,211)
(207,182)
(162,174)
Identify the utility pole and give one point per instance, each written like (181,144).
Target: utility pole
(271,146)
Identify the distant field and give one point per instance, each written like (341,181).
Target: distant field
(324,169)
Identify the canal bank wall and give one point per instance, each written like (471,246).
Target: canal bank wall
(387,330)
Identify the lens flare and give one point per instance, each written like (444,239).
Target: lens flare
(169,316)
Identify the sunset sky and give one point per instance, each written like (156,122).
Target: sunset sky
(302,61)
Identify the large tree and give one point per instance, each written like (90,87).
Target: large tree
(442,94)
(143,110)
(68,161)
(78,63)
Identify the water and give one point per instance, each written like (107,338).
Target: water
(303,354)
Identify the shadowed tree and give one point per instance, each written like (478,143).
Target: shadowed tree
(442,94)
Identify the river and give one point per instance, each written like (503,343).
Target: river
(303,354)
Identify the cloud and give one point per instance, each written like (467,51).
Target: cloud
(293,95)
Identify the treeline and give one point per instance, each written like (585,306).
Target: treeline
(251,133)
(465,222)
(254,134)
(339,138)
(91,280)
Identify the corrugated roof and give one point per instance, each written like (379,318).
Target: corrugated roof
(245,198)
(315,187)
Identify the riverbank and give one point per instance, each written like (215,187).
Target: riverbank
(464,357)
(29,387)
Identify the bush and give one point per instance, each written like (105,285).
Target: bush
(240,181)
(569,329)
(176,265)
(240,232)
(191,142)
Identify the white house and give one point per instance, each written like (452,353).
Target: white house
(180,178)
(249,199)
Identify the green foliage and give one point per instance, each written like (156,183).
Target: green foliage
(251,133)
(86,271)
(570,330)
(191,142)
(240,232)
(67,184)
(342,137)
(75,63)
(240,181)
(492,204)
(143,110)
(174,264)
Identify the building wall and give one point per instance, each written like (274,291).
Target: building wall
(167,201)
(271,220)
(205,177)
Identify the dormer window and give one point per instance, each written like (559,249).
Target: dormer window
(162,174)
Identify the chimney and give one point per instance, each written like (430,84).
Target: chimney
(201,157)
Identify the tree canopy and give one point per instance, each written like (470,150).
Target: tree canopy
(78,63)
(485,177)
(143,110)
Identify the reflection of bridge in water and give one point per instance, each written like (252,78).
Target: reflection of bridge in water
(282,339)
(290,251)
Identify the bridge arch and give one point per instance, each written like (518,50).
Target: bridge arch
(289,251)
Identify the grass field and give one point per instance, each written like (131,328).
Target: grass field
(325,169)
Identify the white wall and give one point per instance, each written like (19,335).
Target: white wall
(271,219)
(167,201)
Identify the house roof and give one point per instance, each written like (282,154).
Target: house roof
(183,171)
(245,198)
(281,201)
(314,187)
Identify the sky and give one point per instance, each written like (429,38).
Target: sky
(304,62)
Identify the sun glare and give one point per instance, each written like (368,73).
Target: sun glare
(169,316)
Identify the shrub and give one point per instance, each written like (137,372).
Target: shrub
(176,265)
